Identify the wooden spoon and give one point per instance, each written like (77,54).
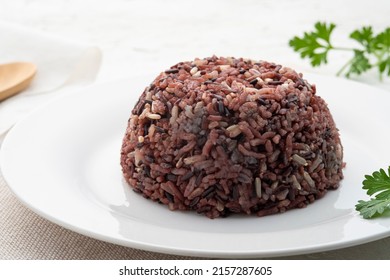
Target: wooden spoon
(15,77)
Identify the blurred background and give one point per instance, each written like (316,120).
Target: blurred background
(139,37)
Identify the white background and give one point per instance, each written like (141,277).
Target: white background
(144,36)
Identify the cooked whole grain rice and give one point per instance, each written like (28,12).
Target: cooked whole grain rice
(226,135)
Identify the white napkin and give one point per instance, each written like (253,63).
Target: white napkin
(61,65)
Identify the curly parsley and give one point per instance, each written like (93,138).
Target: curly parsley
(374,50)
(377,184)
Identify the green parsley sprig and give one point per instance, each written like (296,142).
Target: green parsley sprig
(374,49)
(377,184)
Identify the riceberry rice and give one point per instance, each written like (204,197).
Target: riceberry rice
(231,135)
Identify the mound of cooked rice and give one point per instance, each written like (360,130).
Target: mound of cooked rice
(226,135)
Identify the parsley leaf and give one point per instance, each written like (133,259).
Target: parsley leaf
(374,50)
(377,184)
(365,37)
(358,64)
(314,45)
(382,40)
(372,208)
(385,64)
(382,43)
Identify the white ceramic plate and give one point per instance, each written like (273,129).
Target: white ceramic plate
(63,163)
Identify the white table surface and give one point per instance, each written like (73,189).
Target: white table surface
(141,38)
